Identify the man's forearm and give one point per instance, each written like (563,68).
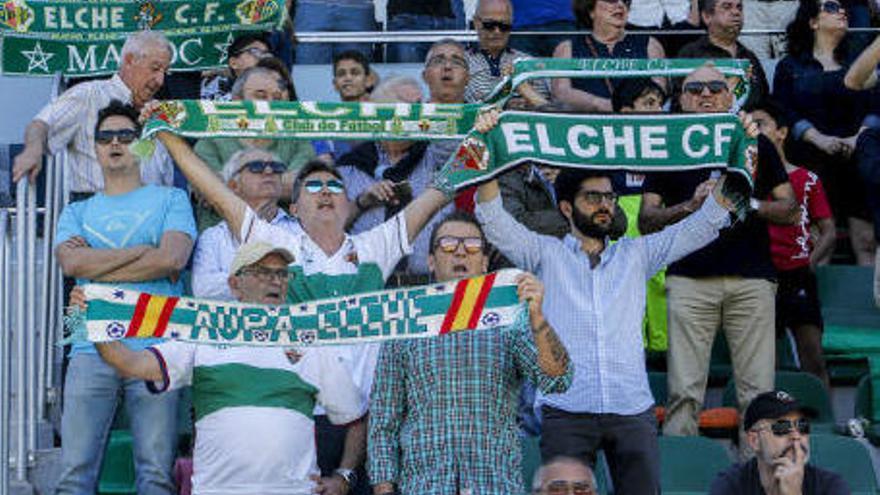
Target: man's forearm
(92,264)
(36,136)
(779,211)
(420,211)
(153,265)
(861,74)
(128,363)
(655,219)
(552,356)
(354,450)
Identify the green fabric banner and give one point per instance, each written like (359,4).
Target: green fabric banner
(541,68)
(311,120)
(642,143)
(85,39)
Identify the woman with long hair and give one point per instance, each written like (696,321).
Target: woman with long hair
(824,116)
(608,39)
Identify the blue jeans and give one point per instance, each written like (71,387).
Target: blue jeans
(91,390)
(331,16)
(402,52)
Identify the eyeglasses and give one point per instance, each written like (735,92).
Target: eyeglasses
(260,166)
(782,427)
(627,3)
(124,136)
(315,186)
(598,197)
(563,487)
(253,51)
(443,60)
(491,25)
(265,274)
(449,244)
(831,7)
(697,87)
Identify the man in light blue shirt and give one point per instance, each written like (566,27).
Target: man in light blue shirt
(131,236)
(595,298)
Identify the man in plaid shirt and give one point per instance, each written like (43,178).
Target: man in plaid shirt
(443,411)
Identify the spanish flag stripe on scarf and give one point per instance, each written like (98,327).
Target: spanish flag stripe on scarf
(457,296)
(138,316)
(162,324)
(151,316)
(481,301)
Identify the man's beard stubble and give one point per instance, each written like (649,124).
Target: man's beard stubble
(588,226)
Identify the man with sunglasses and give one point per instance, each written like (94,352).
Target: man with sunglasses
(492,58)
(778,431)
(132,236)
(728,284)
(254,427)
(254,174)
(443,412)
(724,22)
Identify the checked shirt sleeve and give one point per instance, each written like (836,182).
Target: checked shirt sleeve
(387,412)
(525,353)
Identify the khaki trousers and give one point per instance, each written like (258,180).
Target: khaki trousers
(745,308)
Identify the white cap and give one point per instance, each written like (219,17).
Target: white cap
(252,252)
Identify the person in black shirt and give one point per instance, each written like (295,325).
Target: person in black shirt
(779,433)
(729,283)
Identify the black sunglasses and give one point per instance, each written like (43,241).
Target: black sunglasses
(831,7)
(697,87)
(259,166)
(490,25)
(124,136)
(782,427)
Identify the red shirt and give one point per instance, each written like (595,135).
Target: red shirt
(790,245)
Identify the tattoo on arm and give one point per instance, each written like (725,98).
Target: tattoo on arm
(546,338)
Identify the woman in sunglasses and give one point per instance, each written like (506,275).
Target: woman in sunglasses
(607,19)
(824,116)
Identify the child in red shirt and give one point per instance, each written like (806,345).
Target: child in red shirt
(796,252)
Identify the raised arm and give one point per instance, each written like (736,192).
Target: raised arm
(422,209)
(553,358)
(143,365)
(654,216)
(231,207)
(862,74)
(563,91)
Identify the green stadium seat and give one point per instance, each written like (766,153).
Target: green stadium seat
(846,457)
(689,464)
(807,388)
(864,408)
(117,472)
(531,453)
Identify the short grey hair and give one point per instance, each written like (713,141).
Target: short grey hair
(444,42)
(237,91)
(388,90)
(234,164)
(137,43)
(537,479)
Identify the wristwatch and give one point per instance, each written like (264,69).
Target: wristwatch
(348,475)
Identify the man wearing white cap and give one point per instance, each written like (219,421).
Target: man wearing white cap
(253,406)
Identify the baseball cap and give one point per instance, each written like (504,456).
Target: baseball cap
(252,252)
(772,405)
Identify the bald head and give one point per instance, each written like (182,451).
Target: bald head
(563,470)
(706,90)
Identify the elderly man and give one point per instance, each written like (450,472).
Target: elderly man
(382,178)
(724,22)
(564,475)
(246,444)
(596,301)
(492,57)
(133,236)
(778,431)
(68,122)
(254,174)
(728,284)
(443,413)
(256,83)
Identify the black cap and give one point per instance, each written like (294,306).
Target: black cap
(772,405)
(241,41)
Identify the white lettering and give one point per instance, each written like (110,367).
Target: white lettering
(111,57)
(210,11)
(312,108)
(652,142)
(627,140)
(517,136)
(178,14)
(440,110)
(723,134)
(80,64)
(686,141)
(574,134)
(371,109)
(544,142)
(183,51)
(49,14)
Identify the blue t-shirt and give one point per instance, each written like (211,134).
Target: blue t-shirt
(538,12)
(139,217)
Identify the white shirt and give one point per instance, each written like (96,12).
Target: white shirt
(71,118)
(650,13)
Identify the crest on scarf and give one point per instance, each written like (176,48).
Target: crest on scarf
(471,155)
(253,11)
(148,15)
(171,112)
(17,15)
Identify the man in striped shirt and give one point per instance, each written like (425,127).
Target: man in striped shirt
(68,122)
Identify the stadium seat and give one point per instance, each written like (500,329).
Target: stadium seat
(864,408)
(715,422)
(117,472)
(531,453)
(806,388)
(689,464)
(846,457)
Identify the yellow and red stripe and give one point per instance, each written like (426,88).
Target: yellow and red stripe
(467,304)
(151,315)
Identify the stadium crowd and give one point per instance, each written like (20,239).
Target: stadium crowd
(445,416)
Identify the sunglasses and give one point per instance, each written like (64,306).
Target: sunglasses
(260,166)
(831,7)
(124,136)
(598,197)
(490,25)
(315,186)
(563,487)
(627,3)
(782,427)
(449,244)
(697,87)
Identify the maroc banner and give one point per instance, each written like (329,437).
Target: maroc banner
(311,120)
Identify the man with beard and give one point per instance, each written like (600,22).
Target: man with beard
(595,299)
